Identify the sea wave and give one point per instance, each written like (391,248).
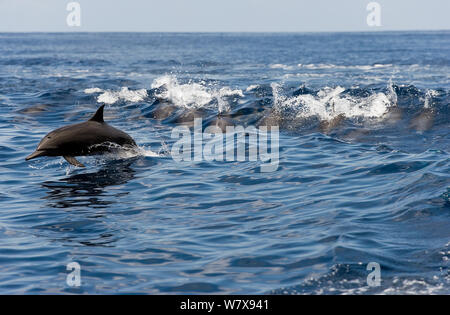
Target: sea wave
(178,100)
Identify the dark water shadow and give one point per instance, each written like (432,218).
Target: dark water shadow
(88,189)
(81,204)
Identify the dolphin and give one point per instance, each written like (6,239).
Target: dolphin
(221,123)
(86,138)
(163,111)
(424,121)
(326,126)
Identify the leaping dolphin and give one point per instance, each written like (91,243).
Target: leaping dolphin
(80,139)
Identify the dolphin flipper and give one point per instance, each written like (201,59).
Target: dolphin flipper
(73,161)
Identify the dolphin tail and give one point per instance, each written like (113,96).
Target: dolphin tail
(35,154)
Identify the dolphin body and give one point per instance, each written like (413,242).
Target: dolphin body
(87,138)
(424,121)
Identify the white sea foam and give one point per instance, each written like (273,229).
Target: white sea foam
(252,87)
(331,102)
(93,90)
(192,94)
(125,94)
(281,66)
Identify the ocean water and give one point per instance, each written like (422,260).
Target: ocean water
(363,172)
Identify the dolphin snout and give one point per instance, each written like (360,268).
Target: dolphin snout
(35,154)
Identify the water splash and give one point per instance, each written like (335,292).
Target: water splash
(194,95)
(115,151)
(329,103)
(429,95)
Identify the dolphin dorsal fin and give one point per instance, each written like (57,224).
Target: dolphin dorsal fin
(98,116)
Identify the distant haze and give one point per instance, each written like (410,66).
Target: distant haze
(223,15)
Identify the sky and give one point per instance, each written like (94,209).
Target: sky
(222,15)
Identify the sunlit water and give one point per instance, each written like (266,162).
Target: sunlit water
(363,174)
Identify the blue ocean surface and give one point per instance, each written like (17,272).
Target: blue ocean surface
(363,173)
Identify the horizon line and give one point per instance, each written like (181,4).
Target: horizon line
(235,32)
